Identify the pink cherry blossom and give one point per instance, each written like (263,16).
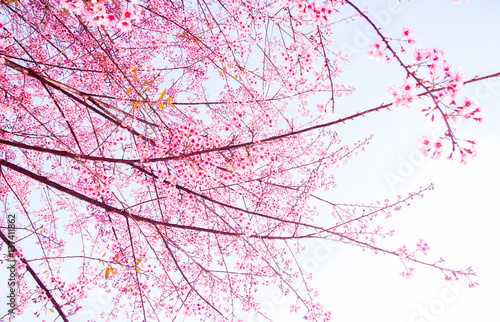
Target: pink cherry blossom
(124,25)
(403,252)
(423,246)
(172,153)
(377,51)
(409,273)
(73,6)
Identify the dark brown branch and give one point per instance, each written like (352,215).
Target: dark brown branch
(36,278)
(103,205)
(79,97)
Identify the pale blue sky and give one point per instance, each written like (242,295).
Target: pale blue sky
(459,218)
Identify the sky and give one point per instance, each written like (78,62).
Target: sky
(459,219)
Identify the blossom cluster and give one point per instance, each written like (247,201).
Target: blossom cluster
(319,12)
(212,182)
(405,255)
(431,75)
(102,13)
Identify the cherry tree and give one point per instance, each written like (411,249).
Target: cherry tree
(172,150)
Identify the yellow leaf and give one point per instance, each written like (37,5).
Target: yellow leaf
(51,310)
(135,105)
(134,70)
(129,90)
(169,99)
(108,270)
(161,106)
(138,262)
(147,89)
(137,270)
(163,93)
(103,254)
(112,271)
(140,136)
(236,77)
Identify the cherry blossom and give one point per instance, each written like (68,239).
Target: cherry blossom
(173,151)
(409,273)
(423,246)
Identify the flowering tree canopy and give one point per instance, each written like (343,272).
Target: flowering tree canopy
(171,150)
